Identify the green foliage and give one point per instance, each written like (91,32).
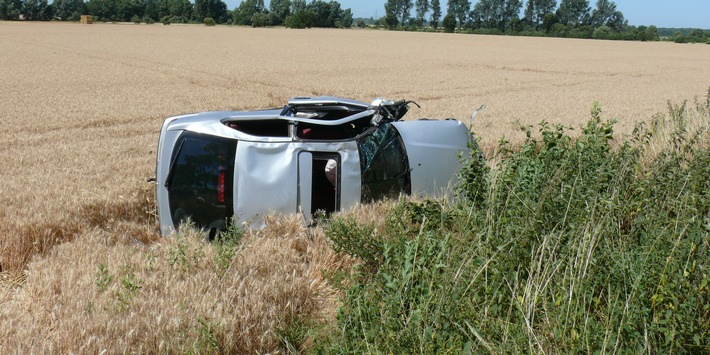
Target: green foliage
(449,23)
(207,337)
(474,176)
(260,19)
(215,9)
(187,251)
(602,32)
(360,241)
(208,21)
(296,331)
(692,36)
(103,278)
(66,9)
(226,245)
(300,19)
(435,13)
(548,21)
(573,244)
(129,285)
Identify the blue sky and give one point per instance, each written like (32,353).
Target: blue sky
(662,13)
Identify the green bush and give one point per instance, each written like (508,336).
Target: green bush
(260,19)
(300,19)
(209,21)
(179,19)
(165,20)
(572,244)
(136,19)
(602,32)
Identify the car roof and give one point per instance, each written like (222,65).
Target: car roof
(325,111)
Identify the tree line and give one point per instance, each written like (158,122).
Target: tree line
(291,13)
(569,18)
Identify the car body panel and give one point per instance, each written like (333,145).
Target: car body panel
(430,155)
(270,172)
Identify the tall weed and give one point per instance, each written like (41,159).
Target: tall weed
(571,244)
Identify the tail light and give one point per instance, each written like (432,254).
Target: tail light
(220,187)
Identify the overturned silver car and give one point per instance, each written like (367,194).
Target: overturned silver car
(314,154)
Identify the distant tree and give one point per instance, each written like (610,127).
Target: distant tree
(605,14)
(697,33)
(515,25)
(487,13)
(280,9)
(102,9)
(3,10)
(10,9)
(535,11)
(345,19)
(177,8)
(153,9)
(325,14)
(216,9)
(66,9)
(548,21)
(652,33)
(300,19)
(260,19)
(402,9)
(422,7)
(495,13)
(298,5)
(449,23)
(127,9)
(460,9)
(511,10)
(574,12)
(319,14)
(391,14)
(243,14)
(602,32)
(32,10)
(435,13)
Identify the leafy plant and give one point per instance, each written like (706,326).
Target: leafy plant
(573,243)
(129,286)
(187,252)
(207,337)
(226,245)
(103,278)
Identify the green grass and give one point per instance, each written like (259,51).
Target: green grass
(572,243)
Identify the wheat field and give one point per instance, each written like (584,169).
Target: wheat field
(81,108)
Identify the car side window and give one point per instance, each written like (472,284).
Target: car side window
(384,164)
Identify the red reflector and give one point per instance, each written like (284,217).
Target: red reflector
(220,187)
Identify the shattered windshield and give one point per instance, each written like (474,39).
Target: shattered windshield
(384,164)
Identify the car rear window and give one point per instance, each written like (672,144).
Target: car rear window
(201,179)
